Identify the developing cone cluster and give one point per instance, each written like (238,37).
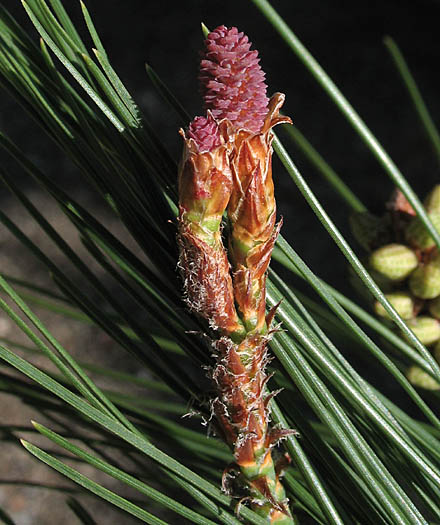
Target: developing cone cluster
(226,168)
(405,263)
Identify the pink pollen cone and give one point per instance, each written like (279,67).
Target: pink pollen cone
(232,81)
(204,131)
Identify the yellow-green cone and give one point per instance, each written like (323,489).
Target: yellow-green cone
(425,280)
(420,378)
(432,201)
(417,235)
(426,329)
(394,261)
(402,302)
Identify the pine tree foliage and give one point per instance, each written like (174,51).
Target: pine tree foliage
(357,458)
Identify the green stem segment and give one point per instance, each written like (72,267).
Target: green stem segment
(242,411)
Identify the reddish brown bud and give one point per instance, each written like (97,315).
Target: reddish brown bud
(205,183)
(252,212)
(205,179)
(252,201)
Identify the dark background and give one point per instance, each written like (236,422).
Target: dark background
(345,37)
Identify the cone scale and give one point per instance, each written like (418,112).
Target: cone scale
(227,167)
